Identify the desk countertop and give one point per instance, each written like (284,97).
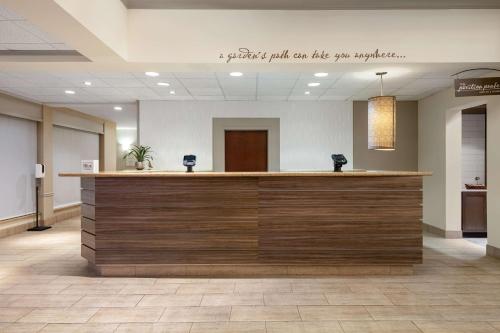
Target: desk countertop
(133,173)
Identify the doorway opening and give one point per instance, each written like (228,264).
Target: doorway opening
(246,150)
(474,174)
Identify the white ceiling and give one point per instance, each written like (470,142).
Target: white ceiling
(310,4)
(18,34)
(128,87)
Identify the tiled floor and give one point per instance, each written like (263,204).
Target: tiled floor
(46,287)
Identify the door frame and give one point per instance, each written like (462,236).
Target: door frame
(221,125)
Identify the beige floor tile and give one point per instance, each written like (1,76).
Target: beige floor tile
(232,299)
(263,287)
(411,312)
(468,313)
(21,328)
(98,289)
(295,299)
(154,328)
(155,289)
(476,299)
(264,313)
(79,328)
(379,327)
(45,301)
(206,288)
(127,315)
(170,300)
(10,315)
(496,324)
(357,299)
(333,312)
(108,301)
(454,327)
(181,280)
(377,288)
(6,300)
(187,314)
(304,327)
(229,327)
(34,289)
(54,315)
(419,299)
(320,287)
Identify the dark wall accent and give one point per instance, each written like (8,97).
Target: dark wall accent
(405,157)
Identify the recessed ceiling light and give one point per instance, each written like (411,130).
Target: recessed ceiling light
(69,92)
(152,74)
(87,83)
(321,74)
(313,84)
(236,74)
(117,108)
(163,84)
(307,93)
(172,92)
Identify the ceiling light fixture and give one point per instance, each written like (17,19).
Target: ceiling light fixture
(321,74)
(87,83)
(152,74)
(307,93)
(69,92)
(163,84)
(236,74)
(313,84)
(117,108)
(382,120)
(172,92)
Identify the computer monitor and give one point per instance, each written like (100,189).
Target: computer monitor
(189,162)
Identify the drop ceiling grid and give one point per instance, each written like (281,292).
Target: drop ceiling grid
(131,86)
(16,33)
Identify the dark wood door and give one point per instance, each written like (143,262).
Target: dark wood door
(246,150)
(474,212)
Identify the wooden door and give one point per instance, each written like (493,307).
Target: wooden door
(246,151)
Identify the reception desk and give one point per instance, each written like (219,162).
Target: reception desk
(243,224)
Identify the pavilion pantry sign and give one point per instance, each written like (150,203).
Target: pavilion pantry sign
(244,54)
(477,87)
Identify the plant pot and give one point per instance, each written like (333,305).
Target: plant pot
(139,165)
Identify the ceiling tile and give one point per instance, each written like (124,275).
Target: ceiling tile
(205,91)
(200,83)
(123,82)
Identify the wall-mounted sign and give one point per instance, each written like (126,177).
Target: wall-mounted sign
(477,87)
(244,54)
(90,166)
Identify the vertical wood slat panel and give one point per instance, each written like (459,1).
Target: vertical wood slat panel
(260,220)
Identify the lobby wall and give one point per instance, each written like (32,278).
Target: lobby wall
(405,157)
(440,133)
(309,132)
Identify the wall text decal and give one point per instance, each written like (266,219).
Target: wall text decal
(245,54)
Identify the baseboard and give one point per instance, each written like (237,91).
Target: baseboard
(493,251)
(237,271)
(20,224)
(452,234)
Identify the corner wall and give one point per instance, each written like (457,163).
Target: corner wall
(405,157)
(440,132)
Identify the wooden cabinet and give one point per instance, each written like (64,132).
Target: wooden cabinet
(474,212)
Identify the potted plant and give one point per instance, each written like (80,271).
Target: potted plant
(142,155)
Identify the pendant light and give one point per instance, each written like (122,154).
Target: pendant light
(382,120)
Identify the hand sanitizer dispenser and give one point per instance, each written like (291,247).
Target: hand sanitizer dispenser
(39,171)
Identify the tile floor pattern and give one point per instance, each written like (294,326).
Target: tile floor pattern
(45,287)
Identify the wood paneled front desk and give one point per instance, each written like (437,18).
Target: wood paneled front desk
(213,224)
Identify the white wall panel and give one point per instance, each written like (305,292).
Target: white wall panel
(309,131)
(18,150)
(70,147)
(473,148)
